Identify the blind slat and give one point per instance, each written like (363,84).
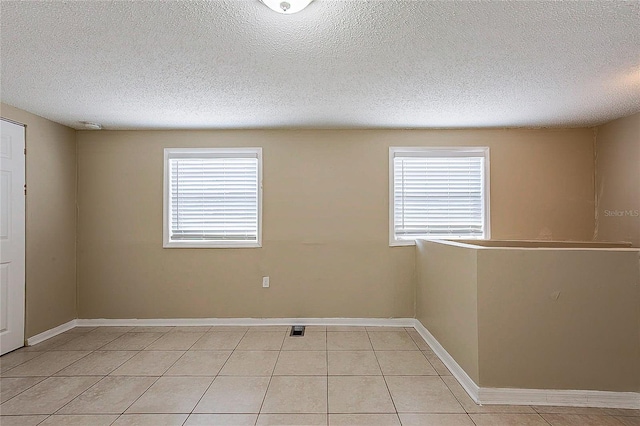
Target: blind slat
(438,196)
(214,198)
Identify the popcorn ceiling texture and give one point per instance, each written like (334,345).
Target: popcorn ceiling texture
(237,64)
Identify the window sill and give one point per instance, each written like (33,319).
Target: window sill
(210,245)
(404,243)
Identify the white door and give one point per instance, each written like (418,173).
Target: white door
(12,236)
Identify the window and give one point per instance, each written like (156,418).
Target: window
(438,193)
(212,197)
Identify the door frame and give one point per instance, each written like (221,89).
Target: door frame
(24,301)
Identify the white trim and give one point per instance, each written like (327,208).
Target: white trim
(369,322)
(392,239)
(45,335)
(429,151)
(572,398)
(17,123)
(487,193)
(441,151)
(579,245)
(488,396)
(458,372)
(508,396)
(244,152)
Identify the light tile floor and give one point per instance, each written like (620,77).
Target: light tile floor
(251,376)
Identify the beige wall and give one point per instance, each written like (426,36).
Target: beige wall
(587,338)
(325,220)
(534,318)
(542,184)
(618,180)
(447,300)
(50,221)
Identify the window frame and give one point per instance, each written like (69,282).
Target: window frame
(462,151)
(170,153)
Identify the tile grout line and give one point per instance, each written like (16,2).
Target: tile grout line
(264,398)
(101,378)
(154,382)
(21,392)
(169,368)
(466,412)
(383,376)
(217,374)
(50,415)
(541,416)
(454,396)
(55,372)
(136,400)
(89,352)
(45,377)
(90,333)
(144,348)
(77,396)
(109,374)
(434,368)
(326,354)
(87,375)
(40,353)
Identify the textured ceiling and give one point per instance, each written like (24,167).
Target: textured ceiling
(356,64)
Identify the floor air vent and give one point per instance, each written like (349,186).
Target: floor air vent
(297,330)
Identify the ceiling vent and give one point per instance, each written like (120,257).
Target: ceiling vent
(91,126)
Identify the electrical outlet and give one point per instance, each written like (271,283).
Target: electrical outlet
(265,282)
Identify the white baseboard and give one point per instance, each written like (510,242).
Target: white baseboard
(461,376)
(508,396)
(572,398)
(369,322)
(45,335)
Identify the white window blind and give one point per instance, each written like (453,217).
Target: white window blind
(438,194)
(214,198)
